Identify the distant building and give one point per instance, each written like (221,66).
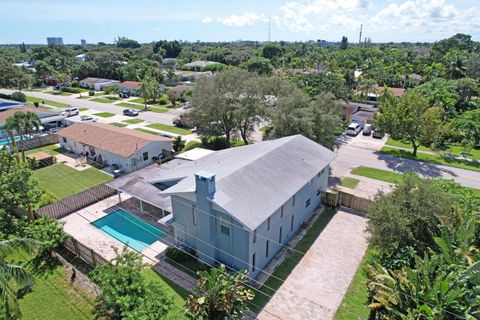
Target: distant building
(83,42)
(97,83)
(130,86)
(55,40)
(81,57)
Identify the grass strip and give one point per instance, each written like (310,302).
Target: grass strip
(104,114)
(168,128)
(350,183)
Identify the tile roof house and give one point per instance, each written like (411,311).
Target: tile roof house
(130,86)
(127,149)
(236,206)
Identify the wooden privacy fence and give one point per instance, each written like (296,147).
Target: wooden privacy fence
(343,199)
(64,207)
(83,252)
(37,142)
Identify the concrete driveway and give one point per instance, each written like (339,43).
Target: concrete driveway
(315,288)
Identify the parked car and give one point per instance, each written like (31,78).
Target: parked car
(124,94)
(377,134)
(353,129)
(186,105)
(89,119)
(130,112)
(70,112)
(367,129)
(183,121)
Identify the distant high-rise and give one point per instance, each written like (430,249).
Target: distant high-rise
(83,42)
(55,40)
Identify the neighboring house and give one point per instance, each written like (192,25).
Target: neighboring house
(130,86)
(198,65)
(240,205)
(127,149)
(48,119)
(180,88)
(360,113)
(97,83)
(169,62)
(81,57)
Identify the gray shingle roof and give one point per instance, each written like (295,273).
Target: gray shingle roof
(255,180)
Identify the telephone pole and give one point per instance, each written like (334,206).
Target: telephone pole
(360,37)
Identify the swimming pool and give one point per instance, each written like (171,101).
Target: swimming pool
(128,229)
(6,141)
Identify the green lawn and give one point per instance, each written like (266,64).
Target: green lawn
(118,124)
(178,293)
(454,150)
(133,121)
(348,182)
(82,109)
(172,129)
(378,174)
(189,265)
(104,114)
(53,296)
(436,159)
(52,149)
(47,102)
(62,181)
(265,128)
(139,107)
(101,100)
(59,93)
(284,269)
(151,103)
(355,302)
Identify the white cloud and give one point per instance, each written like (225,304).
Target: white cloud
(207,20)
(245,19)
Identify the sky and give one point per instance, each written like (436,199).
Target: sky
(31,21)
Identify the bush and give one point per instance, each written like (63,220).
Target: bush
(214,142)
(176,254)
(19,96)
(5,96)
(75,84)
(36,104)
(91,93)
(215,67)
(192,145)
(48,232)
(71,89)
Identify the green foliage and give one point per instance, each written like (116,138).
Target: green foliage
(48,232)
(19,96)
(219,295)
(72,89)
(127,43)
(176,254)
(13,77)
(215,67)
(259,65)
(125,294)
(192,145)
(409,216)
(91,93)
(168,49)
(178,144)
(317,83)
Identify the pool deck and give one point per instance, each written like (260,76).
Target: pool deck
(78,225)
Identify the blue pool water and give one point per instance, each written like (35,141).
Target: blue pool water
(5,141)
(127,228)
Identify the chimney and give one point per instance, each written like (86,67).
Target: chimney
(205,183)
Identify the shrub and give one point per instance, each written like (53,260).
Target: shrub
(5,96)
(71,89)
(91,93)
(176,254)
(192,145)
(48,232)
(75,84)
(214,142)
(36,104)
(19,96)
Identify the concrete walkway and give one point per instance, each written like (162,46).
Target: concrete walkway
(315,288)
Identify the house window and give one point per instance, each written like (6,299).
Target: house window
(145,156)
(268,223)
(291,224)
(293,201)
(266,248)
(224,228)
(307,204)
(281,212)
(254,235)
(64,139)
(253,262)
(318,192)
(280,235)
(194,215)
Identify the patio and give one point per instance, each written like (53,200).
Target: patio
(79,226)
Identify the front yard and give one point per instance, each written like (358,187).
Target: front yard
(172,129)
(47,102)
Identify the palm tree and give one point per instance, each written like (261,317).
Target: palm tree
(12,274)
(145,91)
(31,122)
(15,124)
(456,68)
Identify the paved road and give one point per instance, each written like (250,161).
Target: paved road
(165,118)
(316,286)
(363,151)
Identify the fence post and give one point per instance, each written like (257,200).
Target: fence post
(94,260)
(75,245)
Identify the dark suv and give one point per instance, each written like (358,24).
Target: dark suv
(130,112)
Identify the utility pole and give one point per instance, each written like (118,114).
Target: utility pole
(269,31)
(360,37)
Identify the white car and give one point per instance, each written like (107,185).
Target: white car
(88,119)
(70,112)
(353,129)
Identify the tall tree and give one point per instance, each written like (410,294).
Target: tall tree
(145,91)
(404,119)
